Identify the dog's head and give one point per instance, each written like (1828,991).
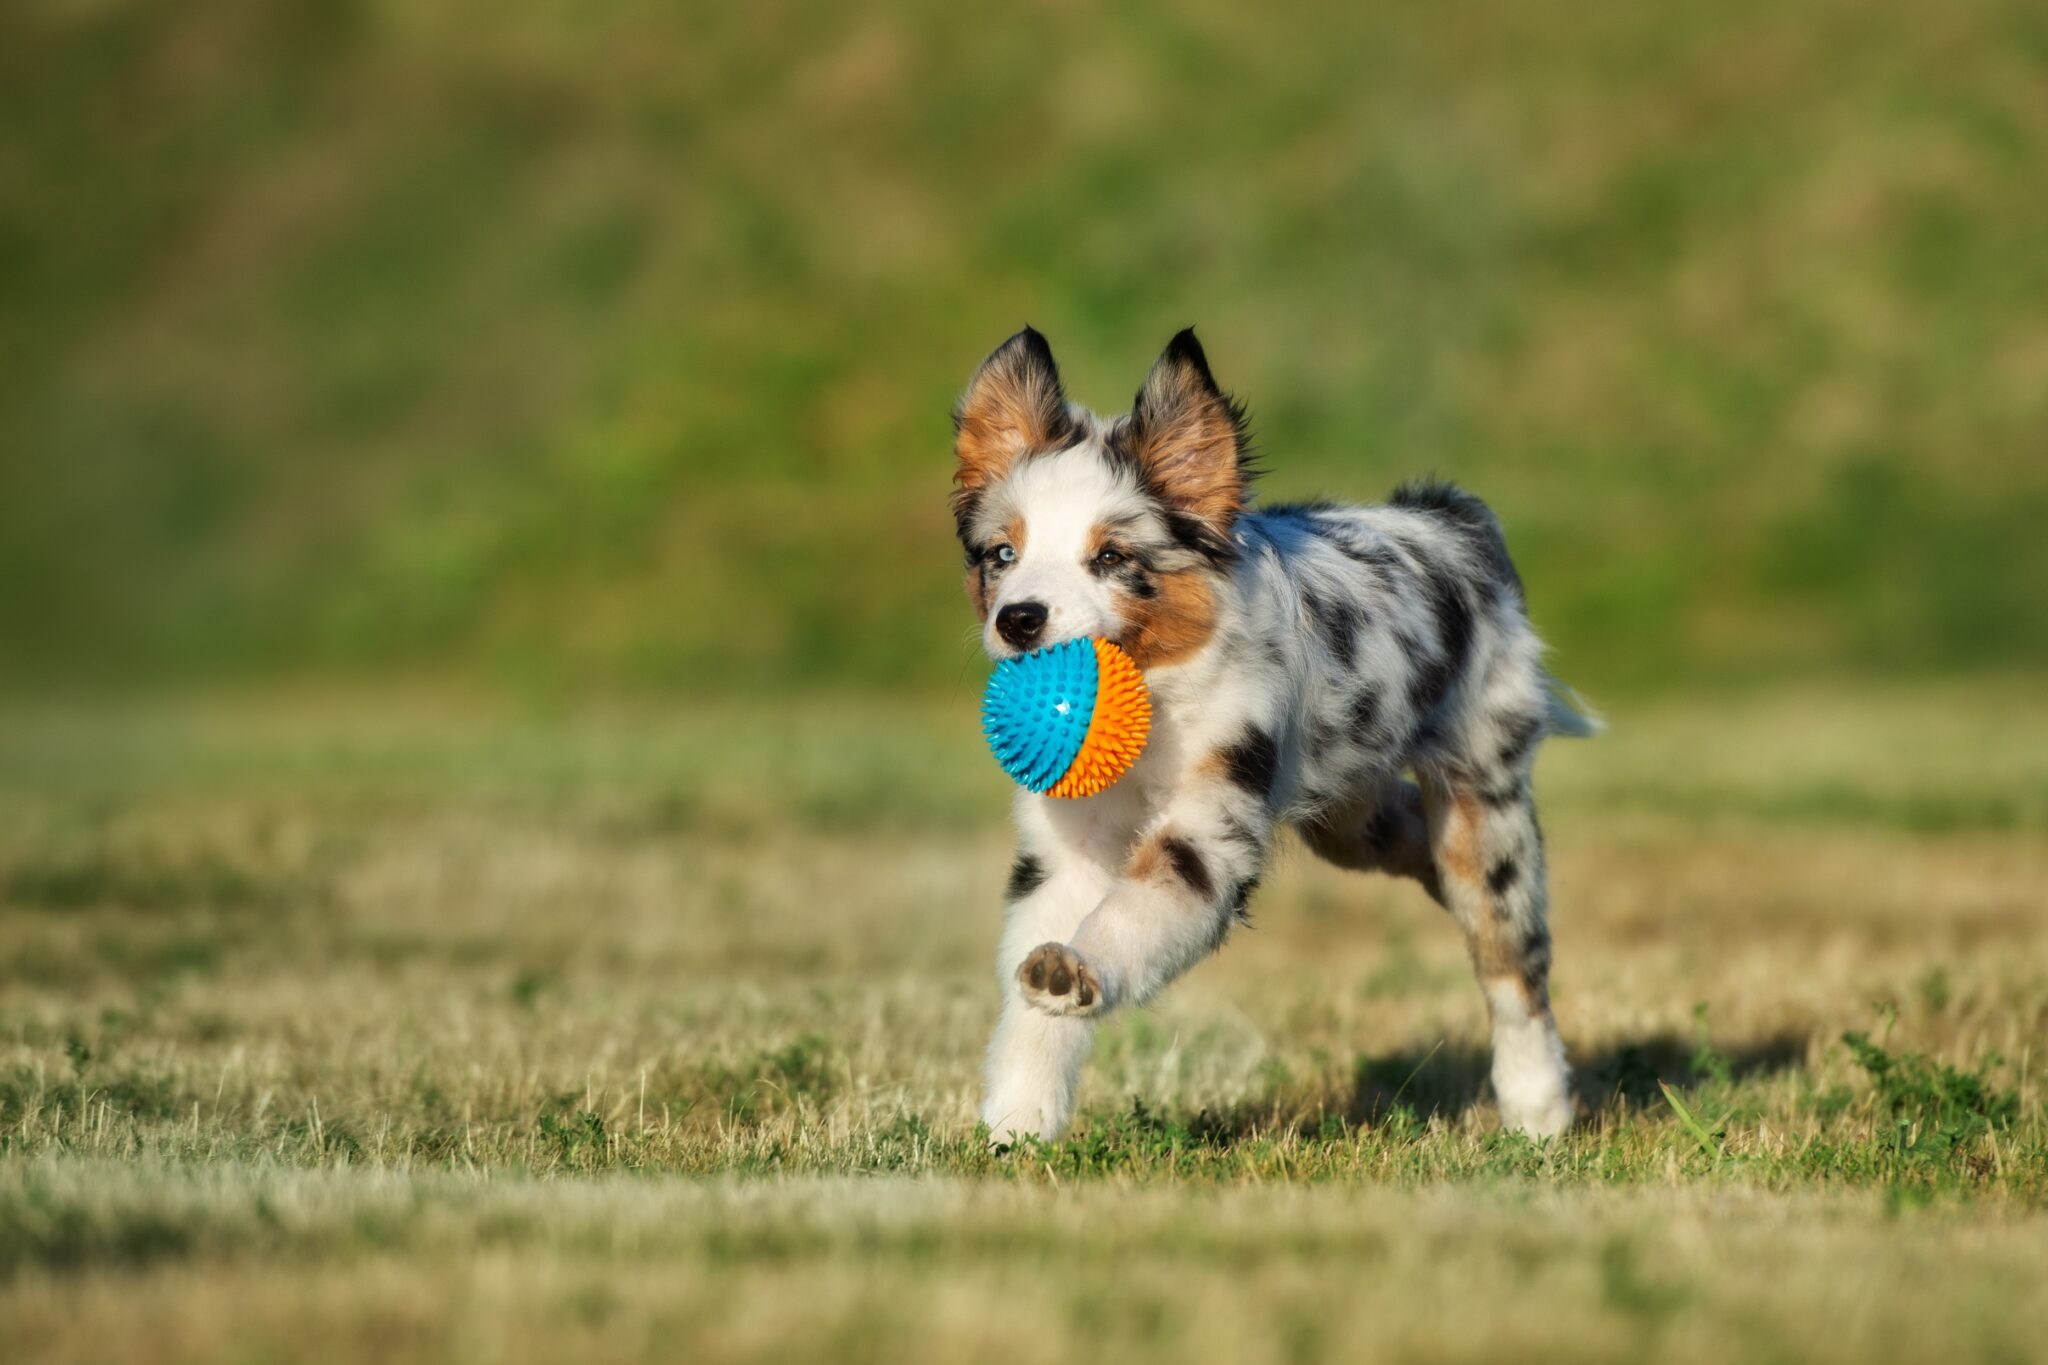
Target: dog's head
(1076,527)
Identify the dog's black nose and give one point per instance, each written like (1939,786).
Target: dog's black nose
(1021,622)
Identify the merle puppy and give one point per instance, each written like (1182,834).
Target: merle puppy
(1367,675)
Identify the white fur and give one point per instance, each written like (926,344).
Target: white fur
(1061,497)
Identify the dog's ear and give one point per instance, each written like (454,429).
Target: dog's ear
(1013,406)
(1189,440)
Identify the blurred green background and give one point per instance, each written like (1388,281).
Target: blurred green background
(579,345)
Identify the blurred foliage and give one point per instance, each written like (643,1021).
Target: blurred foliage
(611,343)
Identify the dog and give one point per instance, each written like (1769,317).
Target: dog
(1366,675)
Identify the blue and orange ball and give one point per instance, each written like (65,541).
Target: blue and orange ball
(1068,720)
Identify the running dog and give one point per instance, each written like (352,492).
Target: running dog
(1367,675)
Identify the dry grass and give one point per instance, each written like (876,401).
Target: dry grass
(332,1035)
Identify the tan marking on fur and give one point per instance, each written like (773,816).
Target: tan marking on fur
(1100,537)
(1533,986)
(1174,622)
(1496,957)
(1457,852)
(1185,438)
(1533,989)
(977,592)
(1149,862)
(1013,531)
(1493,955)
(1495,947)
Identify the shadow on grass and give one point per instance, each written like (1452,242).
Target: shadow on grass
(1418,1084)
(1450,1080)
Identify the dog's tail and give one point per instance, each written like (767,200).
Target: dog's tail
(1569,715)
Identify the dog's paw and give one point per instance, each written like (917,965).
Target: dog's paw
(1529,1078)
(1010,1125)
(1546,1117)
(1056,980)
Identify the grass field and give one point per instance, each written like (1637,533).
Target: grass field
(430,1031)
(527,425)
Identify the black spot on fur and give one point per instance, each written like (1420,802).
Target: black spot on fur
(1446,500)
(1241,897)
(1433,677)
(1027,874)
(1365,714)
(1373,555)
(965,508)
(1502,797)
(1378,833)
(1188,866)
(1237,832)
(1192,533)
(1359,544)
(1522,734)
(1252,761)
(1502,875)
(1339,622)
(1473,520)
(1535,956)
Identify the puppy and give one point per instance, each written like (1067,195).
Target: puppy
(1304,662)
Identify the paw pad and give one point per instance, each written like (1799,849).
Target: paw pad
(1055,979)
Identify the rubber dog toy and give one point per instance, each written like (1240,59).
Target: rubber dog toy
(1068,720)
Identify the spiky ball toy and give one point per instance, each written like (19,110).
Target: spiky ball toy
(1068,720)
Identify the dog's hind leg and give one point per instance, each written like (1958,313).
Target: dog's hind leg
(1488,851)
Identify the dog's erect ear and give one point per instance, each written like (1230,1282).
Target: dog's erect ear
(1014,405)
(1188,438)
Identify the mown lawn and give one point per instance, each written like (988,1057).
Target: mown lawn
(440,1032)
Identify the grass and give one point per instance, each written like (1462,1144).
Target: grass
(432,1032)
(565,351)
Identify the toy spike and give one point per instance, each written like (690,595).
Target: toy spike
(1116,732)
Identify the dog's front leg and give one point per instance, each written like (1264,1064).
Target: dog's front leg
(1034,1060)
(1185,882)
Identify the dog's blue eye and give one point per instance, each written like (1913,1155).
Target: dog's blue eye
(1004,554)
